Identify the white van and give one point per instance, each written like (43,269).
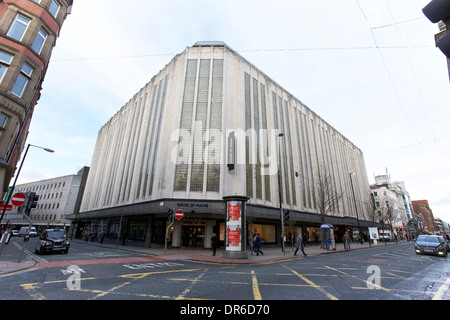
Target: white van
(24,230)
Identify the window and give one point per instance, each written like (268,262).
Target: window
(39,41)
(54,8)
(3,121)
(22,80)
(18,27)
(5,61)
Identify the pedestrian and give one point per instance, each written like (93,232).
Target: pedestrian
(214,243)
(124,237)
(346,241)
(251,243)
(102,236)
(299,245)
(257,245)
(86,236)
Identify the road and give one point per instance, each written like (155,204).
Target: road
(96,273)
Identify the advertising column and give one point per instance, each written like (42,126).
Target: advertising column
(235,241)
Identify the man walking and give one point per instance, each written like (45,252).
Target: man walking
(346,239)
(257,245)
(299,245)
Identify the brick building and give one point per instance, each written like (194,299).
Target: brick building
(423,208)
(28,33)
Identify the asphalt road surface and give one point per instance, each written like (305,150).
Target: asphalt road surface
(96,273)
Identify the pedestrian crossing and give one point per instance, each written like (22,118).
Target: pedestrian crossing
(403,253)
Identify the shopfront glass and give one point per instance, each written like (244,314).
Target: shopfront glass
(267,232)
(118,231)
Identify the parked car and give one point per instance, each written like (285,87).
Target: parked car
(15,233)
(430,244)
(53,240)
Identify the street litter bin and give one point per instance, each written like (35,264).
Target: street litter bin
(328,241)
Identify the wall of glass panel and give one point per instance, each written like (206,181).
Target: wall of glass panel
(198,162)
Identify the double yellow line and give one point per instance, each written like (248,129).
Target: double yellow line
(28,252)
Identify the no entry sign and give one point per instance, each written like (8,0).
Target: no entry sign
(18,199)
(179,214)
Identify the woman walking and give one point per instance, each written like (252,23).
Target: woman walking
(214,243)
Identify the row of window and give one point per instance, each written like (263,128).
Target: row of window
(19,27)
(53,217)
(53,8)
(47,206)
(17,31)
(45,186)
(22,79)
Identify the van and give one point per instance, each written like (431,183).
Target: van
(24,230)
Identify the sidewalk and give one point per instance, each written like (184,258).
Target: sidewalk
(271,254)
(9,257)
(8,261)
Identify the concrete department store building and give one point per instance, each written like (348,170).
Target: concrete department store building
(207,126)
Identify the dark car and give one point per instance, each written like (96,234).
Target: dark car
(430,245)
(53,240)
(446,241)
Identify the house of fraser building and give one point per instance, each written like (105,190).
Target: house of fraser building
(206,126)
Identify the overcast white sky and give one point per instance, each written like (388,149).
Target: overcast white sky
(368,67)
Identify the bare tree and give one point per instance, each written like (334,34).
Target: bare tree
(326,197)
(370,210)
(390,216)
(250,221)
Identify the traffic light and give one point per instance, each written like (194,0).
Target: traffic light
(286,215)
(171,215)
(30,202)
(439,10)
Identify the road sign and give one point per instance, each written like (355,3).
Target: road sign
(8,207)
(179,214)
(18,199)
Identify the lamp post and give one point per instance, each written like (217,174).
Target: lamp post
(9,195)
(280,135)
(354,199)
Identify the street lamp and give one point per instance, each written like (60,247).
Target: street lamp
(280,135)
(9,195)
(354,199)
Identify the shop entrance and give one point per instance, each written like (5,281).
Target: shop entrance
(193,236)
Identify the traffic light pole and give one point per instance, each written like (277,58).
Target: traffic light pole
(25,237)
(279,196)
(171,219)
(9,195)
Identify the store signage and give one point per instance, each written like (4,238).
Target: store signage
(192,205)
(3,206)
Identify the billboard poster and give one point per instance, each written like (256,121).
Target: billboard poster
(373,233)
(234,221)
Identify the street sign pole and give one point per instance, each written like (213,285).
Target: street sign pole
(172,220)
